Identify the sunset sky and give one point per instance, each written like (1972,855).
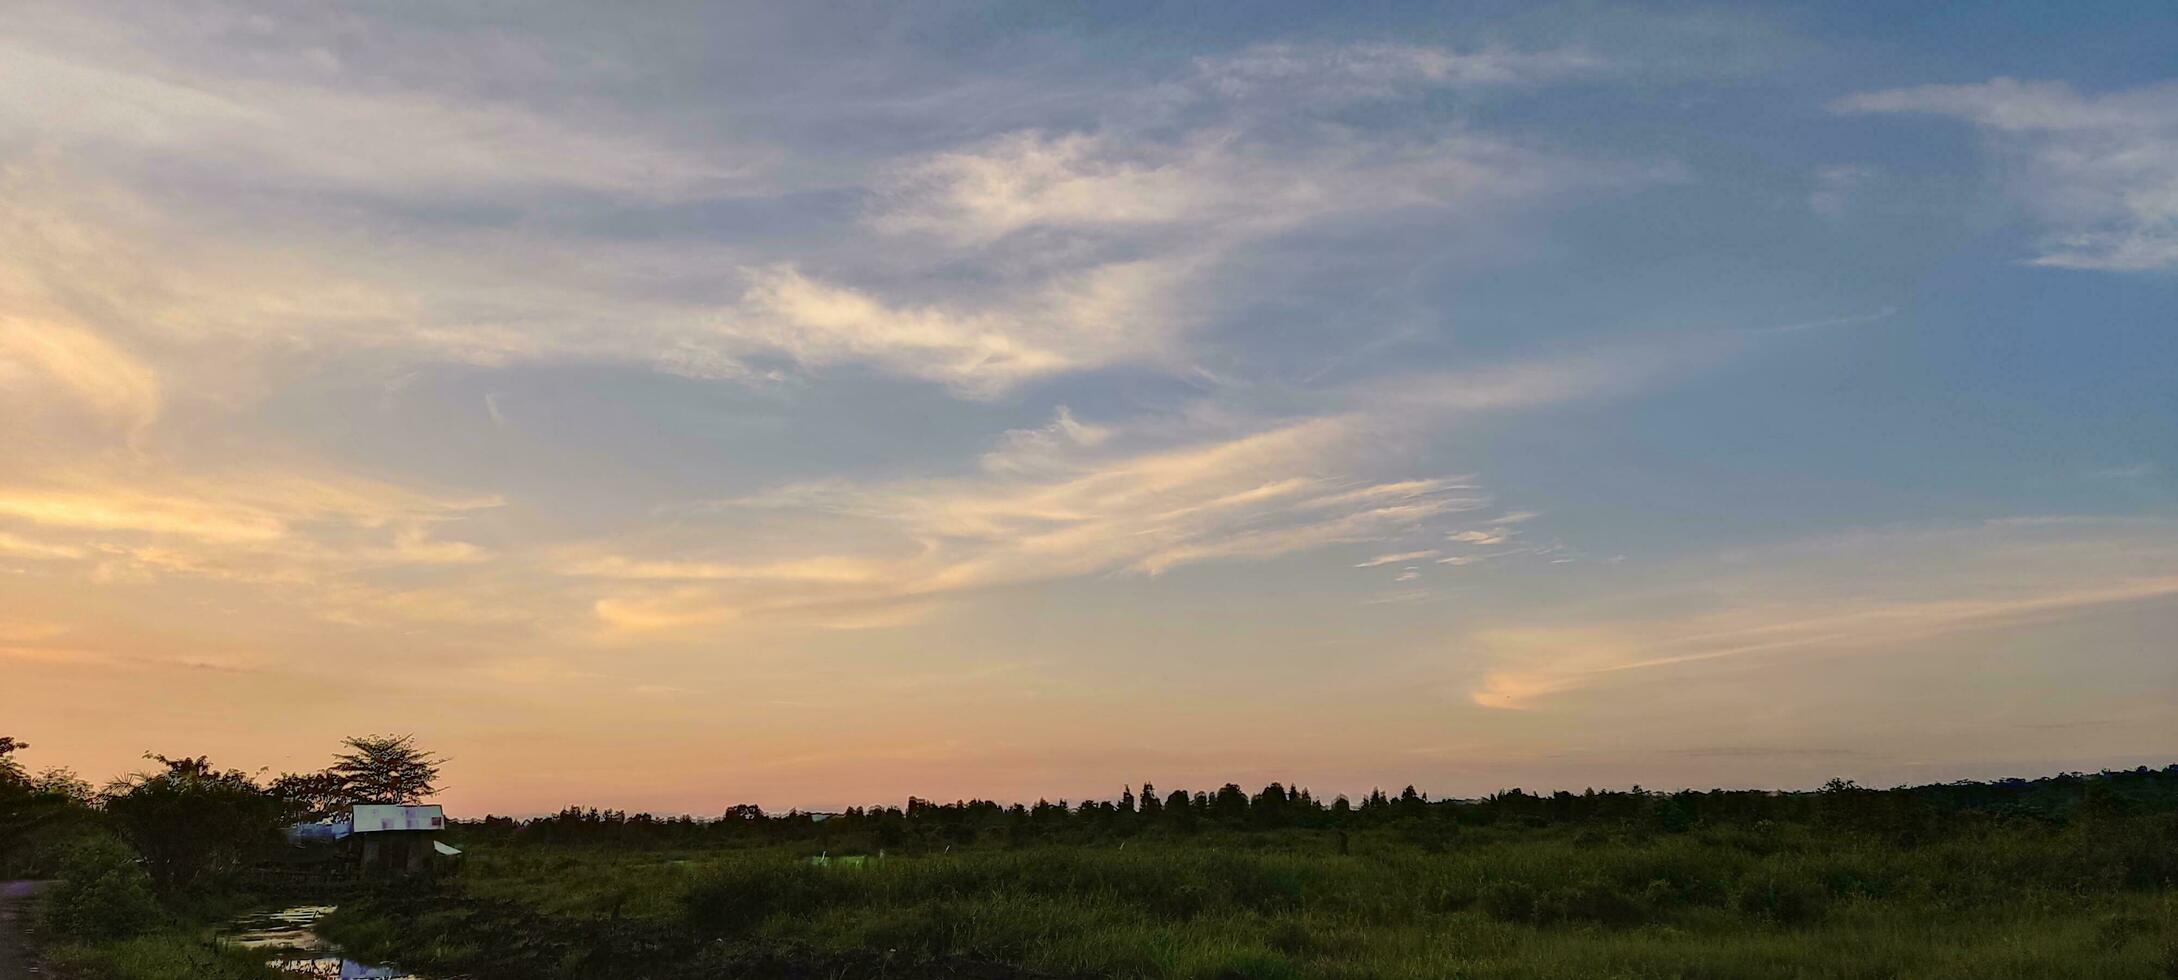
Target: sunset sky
(667,406)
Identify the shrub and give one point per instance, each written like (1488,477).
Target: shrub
(103,893)
(1509,901)
(737,897)
(1782,899)
(1595,901)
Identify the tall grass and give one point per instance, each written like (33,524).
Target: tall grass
(1796,901)
(163,955)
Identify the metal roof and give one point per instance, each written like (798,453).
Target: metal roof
(371,818)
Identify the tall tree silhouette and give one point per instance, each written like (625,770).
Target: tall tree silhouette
(386,769)
(11,771)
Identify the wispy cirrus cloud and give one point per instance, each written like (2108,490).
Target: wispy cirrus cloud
(1077,498)
(1152,219)
(1080,511)
(1030,253)
(1100,315)
(325,542)
(1858,593)
(41,357)
(1218,184)
(1397,558)
(2100,170)
(308,131)
(1380,70)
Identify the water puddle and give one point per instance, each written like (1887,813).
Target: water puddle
(286,938)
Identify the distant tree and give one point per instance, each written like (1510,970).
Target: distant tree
(386,769)
(1231,804)
(1412,803)
(1126,800)
(11,771)
(1151,805)
(1180,809)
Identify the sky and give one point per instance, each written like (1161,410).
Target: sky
(817,404)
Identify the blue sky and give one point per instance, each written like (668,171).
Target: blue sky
(816,405)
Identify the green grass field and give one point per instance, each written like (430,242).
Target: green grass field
(2008,900)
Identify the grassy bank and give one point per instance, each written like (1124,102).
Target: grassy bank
(167,954)
(2008,900)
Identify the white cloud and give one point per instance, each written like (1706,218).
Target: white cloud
(1869,592)
(315,167)
(313,538)
(1179,209)
(2100,170)
(1102,315)
(1217,183)
(1052,208)
(1086,505)
(90,369)
(1074,498)
(1344,72)
(1396,558)
(122,104)
(1045,447)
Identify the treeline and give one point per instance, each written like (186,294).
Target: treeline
(1906,813)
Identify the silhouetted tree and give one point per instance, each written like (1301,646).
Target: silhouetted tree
(194,821)
(1230,805)
(1269,808)
(311,795)
(62,782)
(386,769)
(11,771)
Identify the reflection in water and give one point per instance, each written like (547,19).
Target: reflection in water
(298,951)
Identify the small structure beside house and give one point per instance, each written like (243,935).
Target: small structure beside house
(380,838)
(398,838)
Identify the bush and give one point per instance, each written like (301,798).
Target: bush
(736,898)
(1784,900)
(1595,901)
(103,893)
(1509,901)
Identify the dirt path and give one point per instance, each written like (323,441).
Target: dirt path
(15,961)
